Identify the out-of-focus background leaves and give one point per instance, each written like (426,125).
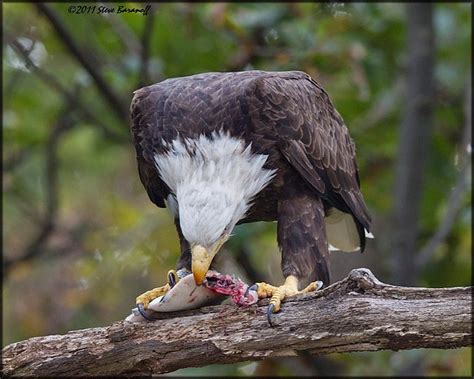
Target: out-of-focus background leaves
(81,238)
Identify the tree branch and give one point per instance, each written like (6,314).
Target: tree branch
(15,159)
(454,203)
(52,82)
(117,104)
(144,75)
(123,31)
(456,197)
(64,122)
(358,313)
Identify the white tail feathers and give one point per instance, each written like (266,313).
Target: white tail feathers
(368,234)
(341,232)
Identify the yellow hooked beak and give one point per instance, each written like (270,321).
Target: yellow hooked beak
(202,258)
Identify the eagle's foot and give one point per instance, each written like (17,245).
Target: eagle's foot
(145,298)
(278,294)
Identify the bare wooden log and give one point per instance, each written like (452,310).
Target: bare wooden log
(358,313)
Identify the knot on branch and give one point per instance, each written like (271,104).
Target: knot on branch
(363,279)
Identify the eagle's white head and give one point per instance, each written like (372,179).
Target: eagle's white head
(213,181)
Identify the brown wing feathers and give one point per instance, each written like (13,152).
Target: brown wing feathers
(316,142)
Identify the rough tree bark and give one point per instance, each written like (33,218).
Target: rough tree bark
(358,313)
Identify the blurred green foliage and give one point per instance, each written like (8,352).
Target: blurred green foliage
(110,243)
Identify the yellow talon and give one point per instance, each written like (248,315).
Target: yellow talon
(312,287)
(277,297)
(147,297)
(265,290)
(278,294)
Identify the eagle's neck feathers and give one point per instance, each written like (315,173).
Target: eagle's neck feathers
(213,181)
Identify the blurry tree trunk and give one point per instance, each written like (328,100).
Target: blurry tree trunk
(358,313)
(414,140)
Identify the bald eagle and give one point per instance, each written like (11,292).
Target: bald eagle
(221,149)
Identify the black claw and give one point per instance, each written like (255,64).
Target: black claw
(253,287)
(270,314)
(172,279)
(141,310)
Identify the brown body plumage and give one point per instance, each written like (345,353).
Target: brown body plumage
(285,115)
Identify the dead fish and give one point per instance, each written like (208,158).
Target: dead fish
(187,295)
